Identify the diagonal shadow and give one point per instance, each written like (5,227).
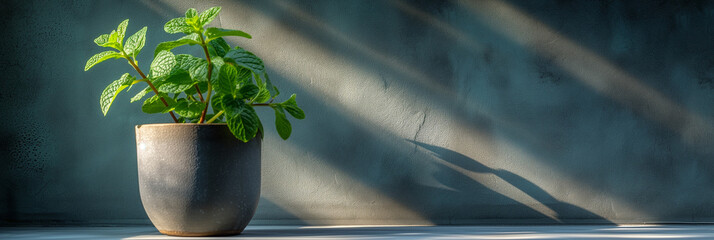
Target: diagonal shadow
(569,149)
(268,212)
(565,212)
(382,163)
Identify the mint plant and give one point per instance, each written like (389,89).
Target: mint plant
(233,80)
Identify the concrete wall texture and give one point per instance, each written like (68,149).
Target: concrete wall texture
(418,112)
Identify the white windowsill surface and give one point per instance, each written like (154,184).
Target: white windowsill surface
(383,232)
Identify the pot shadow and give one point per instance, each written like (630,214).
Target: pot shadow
(269,212)
(564,212)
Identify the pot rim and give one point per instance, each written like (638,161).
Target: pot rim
(179,124)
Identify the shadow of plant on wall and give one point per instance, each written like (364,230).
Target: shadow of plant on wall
(562,212)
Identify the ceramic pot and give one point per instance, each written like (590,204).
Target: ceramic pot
(197,179)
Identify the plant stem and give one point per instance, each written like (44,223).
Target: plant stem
(215,117)
(261,104)
(210,70)
(150,84)
(198,90)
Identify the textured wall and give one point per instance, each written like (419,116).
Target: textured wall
(417,111)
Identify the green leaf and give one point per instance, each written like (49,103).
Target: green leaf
(101,40)
(121,30)
(232,106)
(100,57)
(157,81)
(217,102)
(217,64)
(191,13)
(291,107)
(185,61)
(111,91)
(135,43)
(178,25)
(207,16)
(189,109)
(265,89)
(219,47)
(190,39)
(112,41)
(263,96)
(199,71)
(242,120)
(227,79)
(249,91)
(196,67)
(201,85)
(245,59)
(155,105)
(177,82)
(281,123)
(269,85)
(140,94)
(163,63)
(260,127)
(214,33)
(108,40)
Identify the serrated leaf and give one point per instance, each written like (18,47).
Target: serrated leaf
(249,91)
(227,79)
(189,109)
(140,94)
(258,80)
(199,71)
(163,63)
(112,38)
(245,59)
(216,102)
(207,16)
(244,124)
(191,12)
(185,61)
(178,25)
(100,57)
(213,33)
(155,105)
(219,47)
(157,81)
(135,43)
(108,40)
(291,107)
(217,64)
(243,76)
(281,123)
(196,67)
(112,90)
(101,40)
(269,85)
(190,39)
(263,96)
(232,106)
(121,31)
(177,82)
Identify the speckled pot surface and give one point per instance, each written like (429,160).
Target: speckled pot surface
(197,179)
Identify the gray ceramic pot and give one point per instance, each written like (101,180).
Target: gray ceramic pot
(197,179)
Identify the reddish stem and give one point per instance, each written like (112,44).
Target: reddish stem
(152,87)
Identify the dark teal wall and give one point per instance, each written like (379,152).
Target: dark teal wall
(425,112)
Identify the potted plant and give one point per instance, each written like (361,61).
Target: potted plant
(200,175)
